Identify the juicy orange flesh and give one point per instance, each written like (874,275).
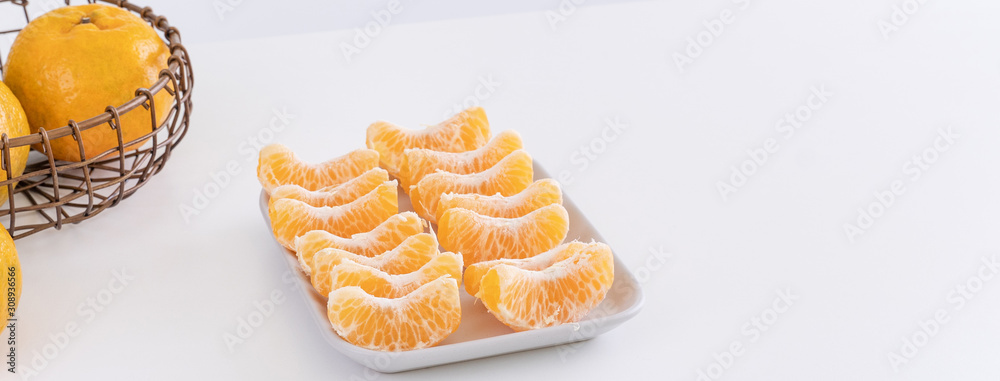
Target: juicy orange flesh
(410,256)
(384,285)
(540,193)
(292,218)
(384,237)
(497,238)
(418,162)
(474,273)
(562,293)
(508,177)
(278,166)
(417,320)
(333,195)
(465,131)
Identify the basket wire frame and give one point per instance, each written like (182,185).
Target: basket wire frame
(51,193)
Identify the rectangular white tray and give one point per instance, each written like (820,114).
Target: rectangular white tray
(480,334)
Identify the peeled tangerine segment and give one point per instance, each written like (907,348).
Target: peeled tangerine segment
(481,238)
(333,195)
(278,166)
(524,298)
(406,258)
(384,285)
(387,235)
(474,273)
(292,218)
(509,176)
(418,162)
(540,193)
(416,320)
(465,131)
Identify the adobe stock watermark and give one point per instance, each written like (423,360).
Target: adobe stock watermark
(900,15)
(785,129)
(485,87)
(912,170)
(248,148)
(956,299)
(363,36)
(585,154)
(751,331)
(261,311)
(86,311)
(712,31)
(656,260)
(10,312)
(246,325)
(222,7)
(563,11)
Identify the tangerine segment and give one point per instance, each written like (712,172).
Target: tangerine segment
(292,218)
(540,193)
(417,320)
(465,131)
(384,285)
(332,195)
(418,162)
(474,273)
(408,257)
(481,238)
(387,235)
(562,293)
(508,177)
(278,165)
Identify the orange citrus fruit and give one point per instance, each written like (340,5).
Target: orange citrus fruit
(474,273)
(385,285)
(508,177)
(405,258)
(564,292)
(540,193)
(417,320)
(465,131)
(14,123)
(278,165)
(73,62)
(332,195)
(292,218)
(384,237)
(10,266)
(481,238)
(418,162)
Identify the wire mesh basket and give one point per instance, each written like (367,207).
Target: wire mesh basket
(51,193)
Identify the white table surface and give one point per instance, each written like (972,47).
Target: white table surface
(654,187)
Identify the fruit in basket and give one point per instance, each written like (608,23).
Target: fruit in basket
(278,165)
(481,238)
(388,235)
(564,292)
(14,123)
(11,268)
(508,177)
(418,162)
(292,218)
(408,257)
(417,320)
(73,62)
(385,285)
(465,131)
(540,193)
(332,195)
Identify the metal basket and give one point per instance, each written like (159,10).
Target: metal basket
(52,193)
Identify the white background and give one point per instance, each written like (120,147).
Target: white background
(654,186)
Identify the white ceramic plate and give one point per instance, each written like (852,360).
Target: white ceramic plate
(480,334)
